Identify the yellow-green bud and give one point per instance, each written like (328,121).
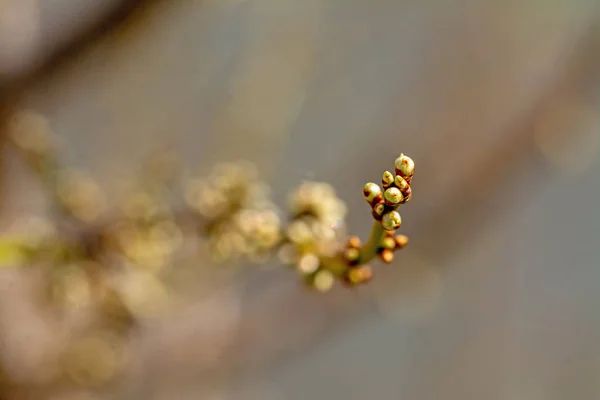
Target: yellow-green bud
(405,166)
(391,221)
(388,243)
(387,256)
(393,196)
(371,191)
(308,264)
(323,281)
(357,276)
(352,254)
(387,179)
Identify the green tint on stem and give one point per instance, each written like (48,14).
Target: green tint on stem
(369,250)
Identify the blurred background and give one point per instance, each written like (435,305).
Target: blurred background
(498,294)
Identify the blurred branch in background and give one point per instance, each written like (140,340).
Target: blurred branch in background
(37,35)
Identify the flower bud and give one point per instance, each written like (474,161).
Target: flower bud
(323,280)
(401,241)
(352,255)
(359,275)
(308,264)
(405,167)
(388,243)
(401,183)
(387,179)
(354,242)
(378,210)
(391,221)
(371,191)
(407,195)
(387,256)
(299,232)
(393,196)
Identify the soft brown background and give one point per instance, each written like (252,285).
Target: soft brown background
(496,297)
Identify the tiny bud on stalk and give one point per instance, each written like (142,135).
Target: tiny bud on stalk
(388,243)
(405,167)
(393,196)
(352,255)
(360,275)
(401,241)
(387,256)
(323,281)
(391,221)
(354,242)
(387,179)
(239,217)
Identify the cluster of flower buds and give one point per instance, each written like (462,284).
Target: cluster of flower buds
(238,217)
(355,273)
(146,234)
(76,193)
(116,266)
(60,249)
(318,201)
(146,244)
(389,244)
(312,236)
(396,191)
(317,216)
(242,221)
(250,233)
(77,256)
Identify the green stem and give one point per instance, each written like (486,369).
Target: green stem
(369,250)
(13,252)
(338,266)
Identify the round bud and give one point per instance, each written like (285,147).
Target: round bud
(401,241)
(388,243)
(354,242)
(366,273)
(357,276)
(323,281)
(387,179)
(391,221)
(405,166)
(393,196)
(351,255)
(387,256)
(308,263)
(371,191)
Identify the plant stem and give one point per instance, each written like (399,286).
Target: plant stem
(339,266)
(12,251)
(369,250)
